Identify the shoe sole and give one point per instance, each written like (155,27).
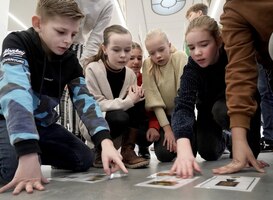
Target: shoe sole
(137,165)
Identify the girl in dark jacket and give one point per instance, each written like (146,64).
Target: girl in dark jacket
(203,86)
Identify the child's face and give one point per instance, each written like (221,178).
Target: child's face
(57,33)
(135,62)
(204,49)
(118,50)
(159,50)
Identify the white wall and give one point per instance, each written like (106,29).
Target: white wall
(216,9)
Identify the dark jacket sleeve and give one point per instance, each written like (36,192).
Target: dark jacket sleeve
(183,117)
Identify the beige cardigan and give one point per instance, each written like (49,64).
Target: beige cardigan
(160,94)
(97,84)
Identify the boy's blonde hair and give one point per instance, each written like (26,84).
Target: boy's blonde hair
(52,8)
(206,23)
(153,68)
(197,7)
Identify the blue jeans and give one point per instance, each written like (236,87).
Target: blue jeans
(59,147)
(266,104)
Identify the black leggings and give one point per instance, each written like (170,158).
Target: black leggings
(120,121)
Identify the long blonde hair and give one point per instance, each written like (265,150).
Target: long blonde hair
(154,68)
(106,35)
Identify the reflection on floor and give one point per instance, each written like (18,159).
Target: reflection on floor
(124,188)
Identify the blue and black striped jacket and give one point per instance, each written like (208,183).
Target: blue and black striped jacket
(31,87)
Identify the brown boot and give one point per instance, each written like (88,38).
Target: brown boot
(130,159)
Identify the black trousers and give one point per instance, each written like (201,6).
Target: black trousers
(120,121)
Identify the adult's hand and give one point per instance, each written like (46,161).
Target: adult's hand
(242,154)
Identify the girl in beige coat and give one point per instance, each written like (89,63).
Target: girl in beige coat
(115,88)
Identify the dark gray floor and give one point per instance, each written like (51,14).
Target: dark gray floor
(124,188)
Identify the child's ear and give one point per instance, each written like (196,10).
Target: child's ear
(103,49)
(36,23)
(200,13)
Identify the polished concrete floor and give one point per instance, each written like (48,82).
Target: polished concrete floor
(124,188)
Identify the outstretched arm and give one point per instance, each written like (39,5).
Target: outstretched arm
(239,45)
(91,115)
(16,103)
